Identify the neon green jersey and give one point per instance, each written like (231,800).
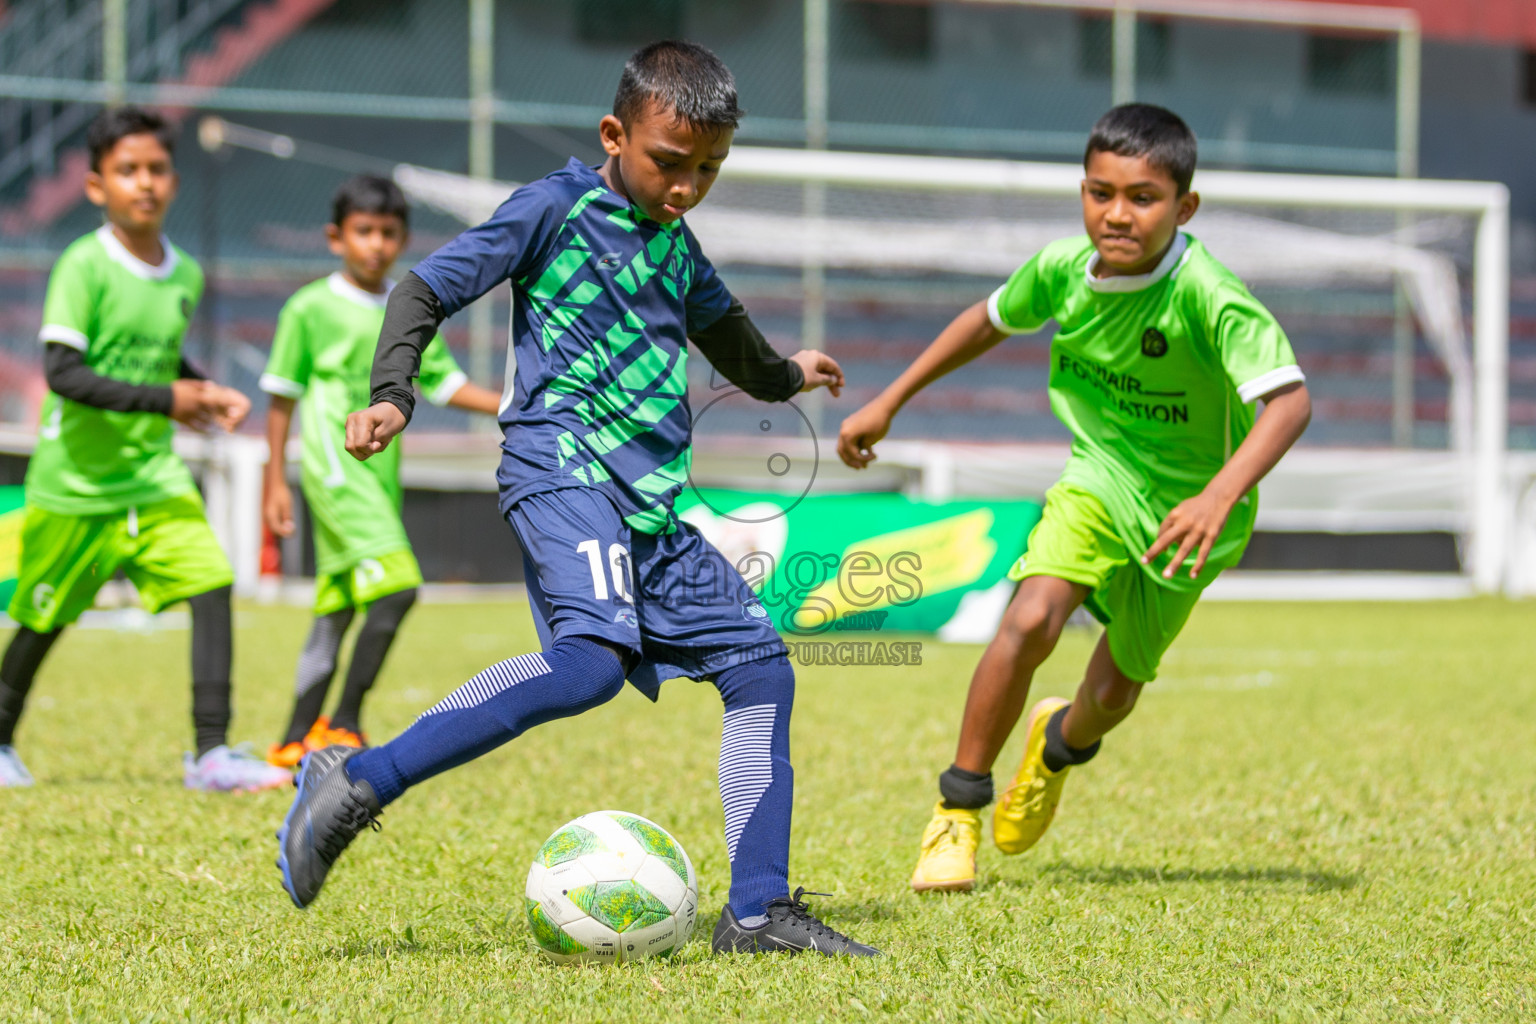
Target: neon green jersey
(323,353)
(128,318)
(1155,376)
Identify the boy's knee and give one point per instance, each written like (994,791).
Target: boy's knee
(1035,624)
(597,669)
(767,680)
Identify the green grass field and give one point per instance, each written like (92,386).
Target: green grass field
(1319,812)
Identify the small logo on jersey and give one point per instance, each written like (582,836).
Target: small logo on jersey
(611,260)
(186,307)
(369,573)
(42,598)
(1153,343)
(626,617)
(753,610)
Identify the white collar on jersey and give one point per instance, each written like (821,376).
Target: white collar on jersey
(347,290)
(1170,261)
(131,263)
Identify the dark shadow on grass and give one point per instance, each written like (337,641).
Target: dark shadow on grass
(1117,874)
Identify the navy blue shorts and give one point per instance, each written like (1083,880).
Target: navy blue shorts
(671,599)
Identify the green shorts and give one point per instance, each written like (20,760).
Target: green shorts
(166,549)
(367,581)
(1076,541)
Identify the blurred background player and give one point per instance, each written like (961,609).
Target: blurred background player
(609,287)
(323,352)
(1159,356)
(104,491)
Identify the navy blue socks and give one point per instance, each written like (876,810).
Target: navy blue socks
(757,784)
(499,704)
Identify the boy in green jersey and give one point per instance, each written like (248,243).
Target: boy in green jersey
(1159,356)
(104,490)
(323,351)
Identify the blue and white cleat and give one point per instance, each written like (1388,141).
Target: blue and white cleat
(327,814)
(12,772)
(237,769)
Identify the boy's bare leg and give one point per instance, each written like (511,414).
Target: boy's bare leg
(1000,685)
(1104,699)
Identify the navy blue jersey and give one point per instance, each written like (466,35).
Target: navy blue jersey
(603,301)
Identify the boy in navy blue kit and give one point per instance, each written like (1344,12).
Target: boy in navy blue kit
(609,286)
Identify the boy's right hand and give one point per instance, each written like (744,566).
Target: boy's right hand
(370,431)
(860,432)
(277,506)
(198,404)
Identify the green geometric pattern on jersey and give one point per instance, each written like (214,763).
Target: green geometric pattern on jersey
(322,352)
(128,318)
(1155,376)
(652,384)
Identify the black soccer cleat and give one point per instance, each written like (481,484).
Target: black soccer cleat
(328,812)
(791,928)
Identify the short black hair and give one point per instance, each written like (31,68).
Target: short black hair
(369,193)
(1144,130)
(681,77)
(114,124)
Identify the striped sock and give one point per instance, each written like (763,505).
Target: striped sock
(497,705)
(757,783)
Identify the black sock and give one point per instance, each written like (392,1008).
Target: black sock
(212,649)
(373,643)
(22,659)
(965,790)
(1057,755)
(317,665)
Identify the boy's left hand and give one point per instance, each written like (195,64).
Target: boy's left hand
(1193,525)
(819,368)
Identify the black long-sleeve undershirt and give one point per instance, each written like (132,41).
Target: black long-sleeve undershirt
(69,376)
(732,344)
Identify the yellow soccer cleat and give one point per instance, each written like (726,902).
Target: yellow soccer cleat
(947,862)
(1027,806)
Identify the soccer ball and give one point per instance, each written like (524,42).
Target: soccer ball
(611,886)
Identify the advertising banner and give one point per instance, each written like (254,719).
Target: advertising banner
(823,564)
(11,513)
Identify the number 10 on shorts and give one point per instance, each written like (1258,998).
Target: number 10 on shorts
(618,567)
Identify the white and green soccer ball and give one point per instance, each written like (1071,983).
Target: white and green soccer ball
(611,886)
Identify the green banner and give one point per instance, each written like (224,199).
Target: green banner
(868,562)
(11,514)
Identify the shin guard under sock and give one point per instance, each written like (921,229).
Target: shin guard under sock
(757,783)
(212,649)
(498,704)
(368,653)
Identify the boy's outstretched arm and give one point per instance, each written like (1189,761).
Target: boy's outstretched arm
(1194,524)
(967,336)
(411,319)
(193,401)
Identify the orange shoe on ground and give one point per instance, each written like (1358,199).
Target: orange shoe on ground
(286,755)
(345,738)
(316,737)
